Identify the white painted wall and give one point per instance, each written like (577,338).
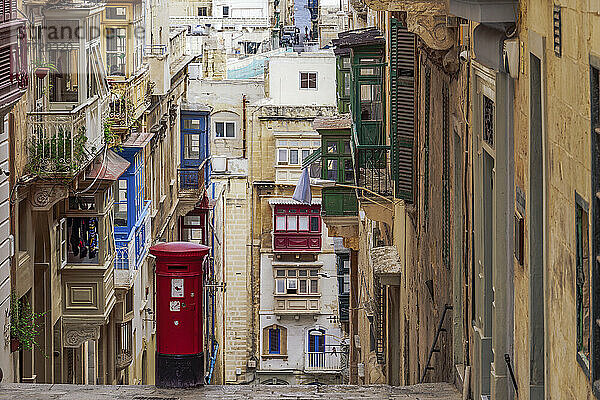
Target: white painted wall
(284,78)
(242,8)
(297,329)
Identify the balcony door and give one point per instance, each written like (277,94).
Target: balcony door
(316,348)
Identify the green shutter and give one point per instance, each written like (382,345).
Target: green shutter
(402,108)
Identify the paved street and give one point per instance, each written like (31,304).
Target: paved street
(440,391)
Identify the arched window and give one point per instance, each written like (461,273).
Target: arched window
(274,340)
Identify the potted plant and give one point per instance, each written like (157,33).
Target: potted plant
(24,325)
(42,68)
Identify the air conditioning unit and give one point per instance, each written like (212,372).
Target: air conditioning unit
(219,163)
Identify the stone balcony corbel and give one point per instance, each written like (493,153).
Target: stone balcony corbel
(425,18)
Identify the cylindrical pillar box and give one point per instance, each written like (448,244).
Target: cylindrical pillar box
(179,355)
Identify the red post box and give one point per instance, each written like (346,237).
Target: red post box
(179,355)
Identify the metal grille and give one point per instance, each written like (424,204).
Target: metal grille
(402,100)
(427,116)
(556,21)
(446,174)
(488,121)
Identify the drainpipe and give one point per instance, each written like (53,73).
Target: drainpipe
(244,123)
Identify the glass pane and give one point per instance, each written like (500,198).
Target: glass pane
(303,286)
(280,223)
(280,272)
(191,124)
(192,146)
(294,157)
(280,286)
(219,129)
(230,129)
(314,224)
(302,272)
(347,149)
(291,272)
(313,272)
(332,170)
(303,223)
(348,170)
(282,157)
(332,147)
(305,153)
(292,223)
(346,62)
(347,83)
(314,285)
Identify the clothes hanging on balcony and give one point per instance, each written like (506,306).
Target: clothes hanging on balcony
(74,225)
(92,238)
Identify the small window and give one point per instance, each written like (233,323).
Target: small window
(314,272)
(305,153)
(314,286)
(120,207)
(292,284)
(292,272)
(347,83)
(308,80)
(348,170)
(303,272)
(303,223)
(303,289)
(294,157)
(314,224)
(116,13)
(280,272)
(202,11)
(280,223)
(279,286)
(225,11)
(282,156)
(292,223)
(332,147)
(225,129)
(274,341)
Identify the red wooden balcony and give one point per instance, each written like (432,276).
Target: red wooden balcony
(13,54)
(297,227)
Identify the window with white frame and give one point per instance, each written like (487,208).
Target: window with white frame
(292,152)
(224,129)
(308,80)
(116,48)
(301,281)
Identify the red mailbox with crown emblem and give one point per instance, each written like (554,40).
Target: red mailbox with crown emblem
(179,351)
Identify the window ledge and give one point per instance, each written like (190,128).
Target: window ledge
(274,356)
(293,296)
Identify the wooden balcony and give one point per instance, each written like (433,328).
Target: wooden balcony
(61,143)
(131,251)
(297,304)
(296,241)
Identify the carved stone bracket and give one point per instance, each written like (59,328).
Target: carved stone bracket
(44,196)
(432,30)
(75,335)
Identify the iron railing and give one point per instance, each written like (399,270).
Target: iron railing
(124,356)
(192,178)
(129,98)
(372,170)
(63,142)
(328,360)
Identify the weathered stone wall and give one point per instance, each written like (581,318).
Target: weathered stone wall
(566,81)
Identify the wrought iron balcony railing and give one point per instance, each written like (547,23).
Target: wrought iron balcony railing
(129,98)
(328,360)
(63,142)
(124,356)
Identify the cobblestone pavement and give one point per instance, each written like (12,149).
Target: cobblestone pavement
(441,391)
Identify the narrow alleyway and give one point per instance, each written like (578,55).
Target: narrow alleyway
(440,391)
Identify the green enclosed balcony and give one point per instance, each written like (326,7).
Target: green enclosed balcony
(337,165)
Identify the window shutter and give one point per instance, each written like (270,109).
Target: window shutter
(402,102)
